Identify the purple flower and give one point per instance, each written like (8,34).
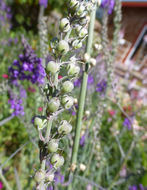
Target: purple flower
(50,188)
(43,3)
(16,105)
(5,14)
(77,83)
(109,4)
(59,178)
(127,123)
(82,140)
(73,113)
(27,67)
(90,80)
(134,187)
(101,86)
(140,187)
(16,100)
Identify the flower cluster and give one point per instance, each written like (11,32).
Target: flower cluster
(27,67)
(108,4)
(5,13)
(16,101)
(127,124)
(77,83)
(43,3)
(140,187)
(58,90)
(101,86)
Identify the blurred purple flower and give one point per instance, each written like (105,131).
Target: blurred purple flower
(16,100)
(59,178)
(77,83)
(50,188)
(90,80)
(5,14)
(134,187)
(140,187)
(27,67)
(127,123)
(109,4)
(82,140)
(43,3)
(73,113)
(101,86)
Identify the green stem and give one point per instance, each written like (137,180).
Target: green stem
(5,181)
(82,94)
(6,120)
(49,125)
(123,164)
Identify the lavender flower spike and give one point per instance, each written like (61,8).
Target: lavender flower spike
(27,67)
(109,4)
(43,3)
(127,123)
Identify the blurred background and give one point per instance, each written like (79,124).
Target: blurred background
(117,139)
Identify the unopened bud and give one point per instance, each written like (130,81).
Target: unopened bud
(64,25)
(86,57)
(82,167)
(64,128)
(76,44)
(87,113)
(63,47)
(93,62)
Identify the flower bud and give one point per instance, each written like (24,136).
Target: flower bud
(52,67)
(78,29)
(74,4)
(67,86)
(49,177)
(93,62)
(76,44)
(98,47)
(73,69)
(53,145)
(89,6)
(67,101)
(64,128)
(82,167)
(40,123)
(57,160)
(63,47)
(87,113)
(86,57)
(64,25)
(39,175)
(53,105)
(84,20)
(83,33)
(75,101)
(80,10)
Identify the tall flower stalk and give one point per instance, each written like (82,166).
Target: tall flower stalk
(57,90)
(83,93)
(110,54)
